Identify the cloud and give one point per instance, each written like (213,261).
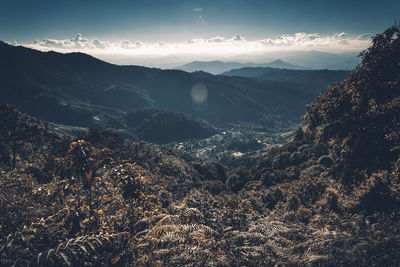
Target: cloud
(100,44)
(216,39)
(77,42)
(193,41)
(214,47)
(340,35)
(129,45)
(197,9)
(304,41)
(81,43)
(126,44)
(237,38)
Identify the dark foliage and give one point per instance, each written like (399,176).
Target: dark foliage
(361,114)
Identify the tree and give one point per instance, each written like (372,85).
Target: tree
(15,130)
(362,114)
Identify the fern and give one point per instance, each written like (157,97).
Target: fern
(84,250)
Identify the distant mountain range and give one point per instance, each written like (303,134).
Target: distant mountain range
(299,60)
(80,90)
(323,60)
(218,67)
(312,78)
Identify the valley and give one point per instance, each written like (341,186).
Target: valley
(77,90)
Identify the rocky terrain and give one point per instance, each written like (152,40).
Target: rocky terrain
(328,197)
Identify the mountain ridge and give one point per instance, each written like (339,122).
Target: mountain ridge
(218,67)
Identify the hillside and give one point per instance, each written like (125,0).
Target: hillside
(165,126)
(329,197)
(79,90)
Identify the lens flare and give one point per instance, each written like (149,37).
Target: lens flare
(199,94)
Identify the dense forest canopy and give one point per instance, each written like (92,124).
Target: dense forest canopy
(362,114)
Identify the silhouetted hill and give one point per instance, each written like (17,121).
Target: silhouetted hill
(218,67)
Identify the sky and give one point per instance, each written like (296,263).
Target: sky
(139,31)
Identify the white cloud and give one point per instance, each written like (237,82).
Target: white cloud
(197,9)
(306,41)
(216,39)
(100,44)
(340,35)
(192,41)
(237,38)
(215,47)
(78,42)
(128,45)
